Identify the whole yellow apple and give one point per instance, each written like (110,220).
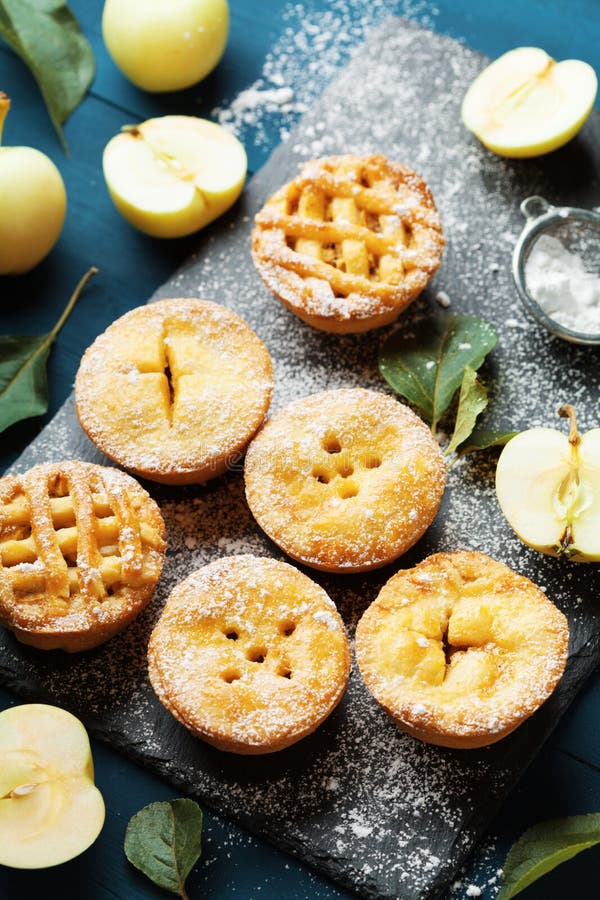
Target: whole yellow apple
(50,808)
(33,205)
(165,45)
(173,175)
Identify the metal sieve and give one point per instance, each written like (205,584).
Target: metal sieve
(579,232)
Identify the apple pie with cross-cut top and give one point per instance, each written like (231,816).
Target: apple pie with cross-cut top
(81,550)
(349,243)
(460,650)
(174,390)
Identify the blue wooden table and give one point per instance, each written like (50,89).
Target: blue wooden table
(565,779)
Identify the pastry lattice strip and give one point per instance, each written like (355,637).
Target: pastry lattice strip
(358,237)
(93,524)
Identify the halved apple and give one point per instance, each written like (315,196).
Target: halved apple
(173,175)
(50,809)
(527,104)
(548,487)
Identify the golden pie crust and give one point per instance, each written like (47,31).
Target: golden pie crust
(345,480)
(461,650)
(249,654)
(81,550)
(174,390)
(349,243)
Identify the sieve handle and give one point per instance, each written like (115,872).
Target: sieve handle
(534,207)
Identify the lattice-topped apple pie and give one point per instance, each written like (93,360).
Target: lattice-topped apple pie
(349,243)
(81,550)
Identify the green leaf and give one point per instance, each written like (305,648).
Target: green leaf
(483,438)
(46,35)
(472,400)
(427,366)
(23,384)
(163,841)
(544,847)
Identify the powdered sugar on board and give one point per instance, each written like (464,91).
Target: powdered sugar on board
(425,806)
(313,47)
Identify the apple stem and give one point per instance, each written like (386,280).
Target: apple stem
(568,412)
(522,90)
(133,130)
(4,108)
(167,158)
(74,298)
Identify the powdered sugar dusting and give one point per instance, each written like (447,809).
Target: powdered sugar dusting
(426,806)
(314,45)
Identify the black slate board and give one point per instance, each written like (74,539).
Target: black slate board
(379,812)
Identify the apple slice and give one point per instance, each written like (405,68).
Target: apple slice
(50,809)
(173,175)
(548,487)
(526,104)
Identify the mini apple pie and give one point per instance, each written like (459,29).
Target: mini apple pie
(461,650)
(174,390)
(349,243)
(249,654)
(81,550)
(345,480)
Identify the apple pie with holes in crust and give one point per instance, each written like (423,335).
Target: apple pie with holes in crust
(249,654)
(349,243)
(174,390)
(461,650)
(81,549)
(345,480)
